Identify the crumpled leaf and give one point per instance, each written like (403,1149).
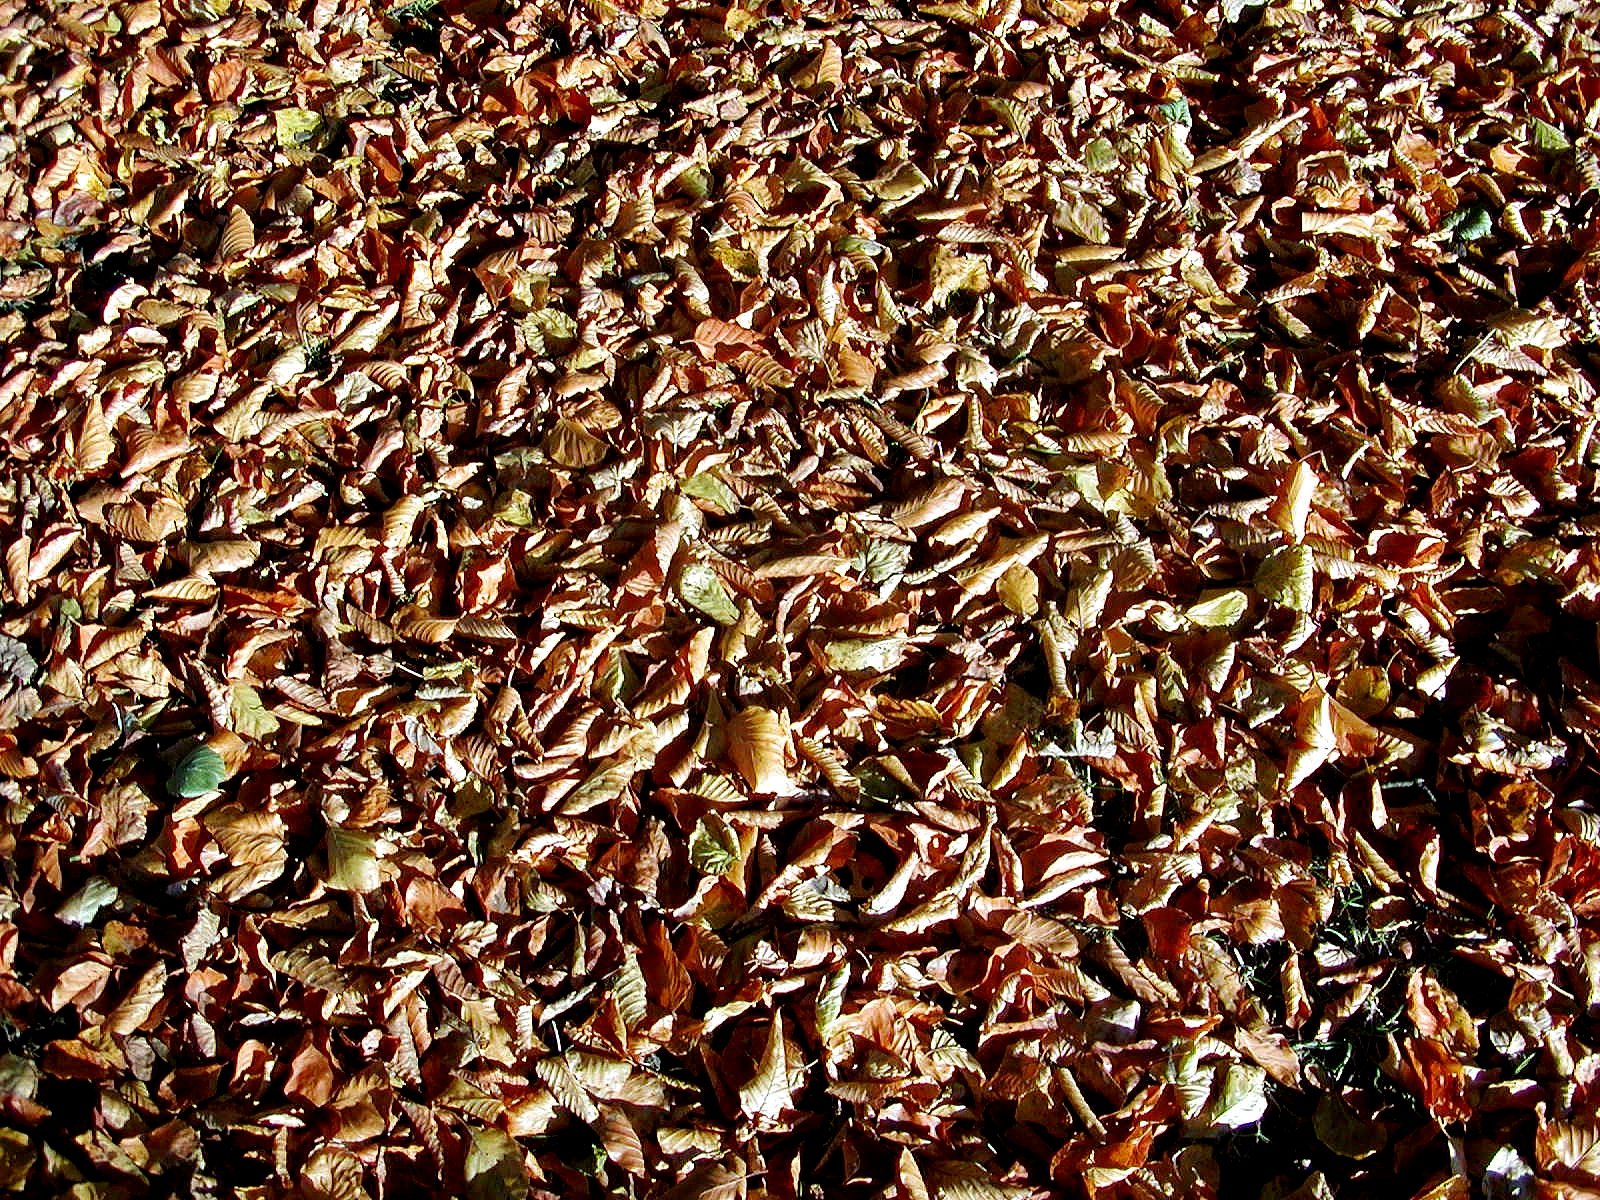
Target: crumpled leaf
(864,656)
(299,128)
(988,571)
(16,661)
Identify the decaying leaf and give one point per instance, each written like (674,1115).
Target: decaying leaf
(949,600)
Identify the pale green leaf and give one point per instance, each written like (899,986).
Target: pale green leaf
(709,487)
(900,182)
(1221,610)
(81,907)
(702,589)
(1548,137)
(865,656)
(352,860)
(1100,155)
(1075,215)
(1241,1100)
(1286,577)
(494,1168)
(514,507)
(299,128)
(250,716)
(713,846)
(881,561)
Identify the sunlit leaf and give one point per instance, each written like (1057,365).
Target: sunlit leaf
(702,589)
(767,1093)
(1285,577)
(1220,610)
(333,1173)
(298,128)
(250,715)
(864,655)
(713,846)
(352,860)
(629,986)
(758,742)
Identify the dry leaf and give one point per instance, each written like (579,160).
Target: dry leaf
(758,743)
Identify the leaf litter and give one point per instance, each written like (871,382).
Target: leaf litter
(949,600)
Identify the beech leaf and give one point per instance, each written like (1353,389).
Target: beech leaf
(758,742)
(767,1094)
(702,589)
(200,771)
(352,860)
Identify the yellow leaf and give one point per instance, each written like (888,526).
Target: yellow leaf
(702,588)
(767,1094)
(352,860)
(299,128)
(1220,610)
(1365,691)
(1286,577)
(758,742)
(900,182)
(1019,590)
(250,715)
(140,1001)
(1293,505)
(95,446)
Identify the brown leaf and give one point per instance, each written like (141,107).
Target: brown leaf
(758,743)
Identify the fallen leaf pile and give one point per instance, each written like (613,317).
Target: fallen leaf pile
(948,602)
